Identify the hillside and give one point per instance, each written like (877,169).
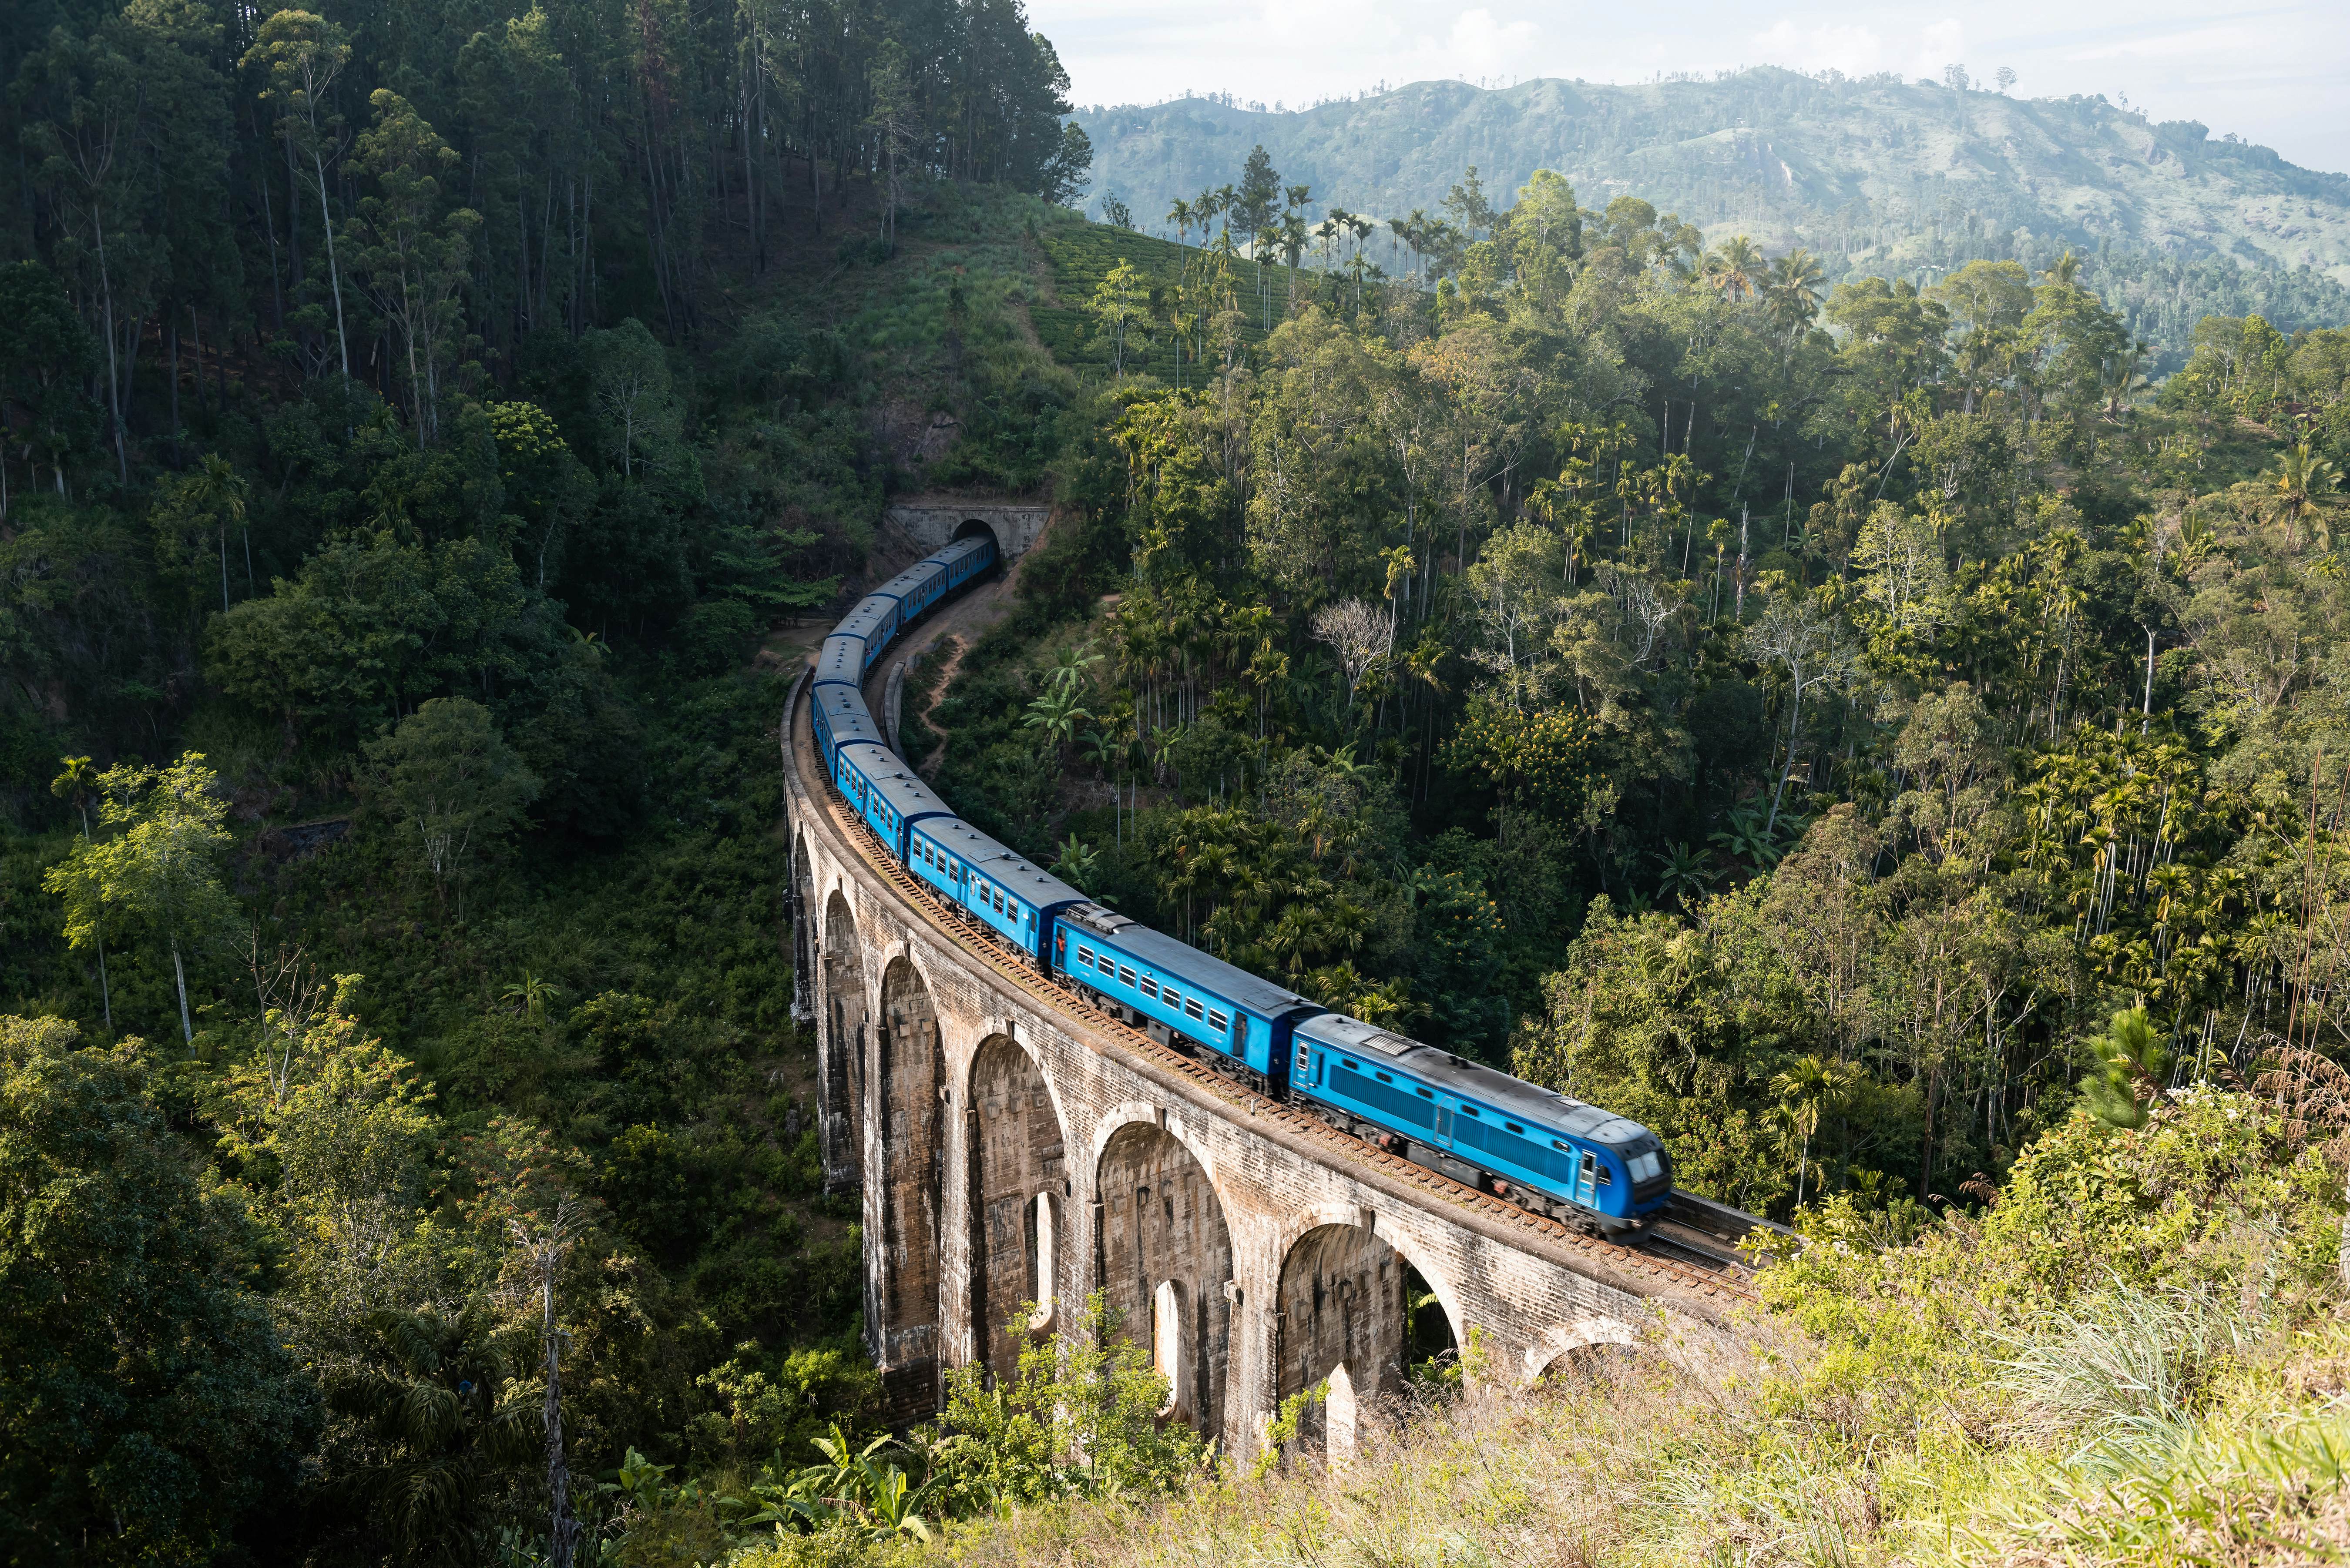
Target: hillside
(1874,175)
(1859,734)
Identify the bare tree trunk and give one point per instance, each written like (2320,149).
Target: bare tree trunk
(561,1529)
(180,973)
(334,274)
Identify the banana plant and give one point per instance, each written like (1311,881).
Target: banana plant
(856,1487)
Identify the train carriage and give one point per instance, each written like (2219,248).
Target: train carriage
(841,719)
(916,588)
(841,661)
(966,558)
(1239,1016)
(1545,1142)
(873,623)
(886,794)
(1011,898)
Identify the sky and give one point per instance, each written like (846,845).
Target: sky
(2272,74)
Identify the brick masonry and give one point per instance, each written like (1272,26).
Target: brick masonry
(959,1088)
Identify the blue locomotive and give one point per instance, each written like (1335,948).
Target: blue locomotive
(1541,1149)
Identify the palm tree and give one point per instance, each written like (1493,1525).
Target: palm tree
(1809,1086)
(529,996)
(217,488)
(1179,214)
(1293,238)
(1057,714)
(1687,873)
(1752,838)
(445,1422)
(1731,271)
(2306,484)
(2120,377)
(1794,289)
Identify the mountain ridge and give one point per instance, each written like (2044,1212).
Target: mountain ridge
(1875,174)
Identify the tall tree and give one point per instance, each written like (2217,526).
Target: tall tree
(160,867)
(302,54)
(414,256)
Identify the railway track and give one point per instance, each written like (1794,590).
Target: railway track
(1691,1249)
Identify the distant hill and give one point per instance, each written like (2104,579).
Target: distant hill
(1876,175)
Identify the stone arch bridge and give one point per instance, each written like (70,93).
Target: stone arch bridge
(1014,1145)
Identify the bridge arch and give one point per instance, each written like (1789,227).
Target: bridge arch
(804,942)
(842,1005)
(1164,1263)
(1564,1344)
(1342,1313)
(904,1275)
(1019,1198)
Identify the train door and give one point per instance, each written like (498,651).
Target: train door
(1443,1124)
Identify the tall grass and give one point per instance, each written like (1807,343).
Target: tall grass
(2120,1373)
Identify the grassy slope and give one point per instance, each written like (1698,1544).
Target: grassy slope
(2138,1356)
(1082,253)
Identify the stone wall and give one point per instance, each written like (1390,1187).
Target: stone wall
(935,521)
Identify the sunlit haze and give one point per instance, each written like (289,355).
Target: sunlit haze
(2270,74)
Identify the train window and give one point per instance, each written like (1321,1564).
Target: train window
(1473,1111)
(1086,957)
(1606,1177)
(1217,1021)
(1562,1146)
(1191,1007)
(1384,1078)
(1513,1127)
(1125,975)
(1428,1093)
(1149,987)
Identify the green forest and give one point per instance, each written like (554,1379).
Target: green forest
(1882,739)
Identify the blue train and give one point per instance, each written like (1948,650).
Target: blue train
(1541,1149)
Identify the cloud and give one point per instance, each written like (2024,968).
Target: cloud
(1479,43)
(2201,43)
(1859,51)
(1856,51)
(1944,42)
